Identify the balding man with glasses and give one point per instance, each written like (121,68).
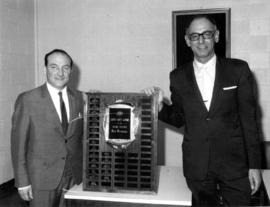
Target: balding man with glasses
(213,98)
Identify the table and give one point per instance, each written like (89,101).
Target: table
(266,180)
(172,190)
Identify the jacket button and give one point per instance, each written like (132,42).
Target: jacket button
(65,141)
(208,119)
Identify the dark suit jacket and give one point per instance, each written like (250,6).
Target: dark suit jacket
(38,146)
(227,134)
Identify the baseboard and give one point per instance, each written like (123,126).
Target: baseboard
(7,187)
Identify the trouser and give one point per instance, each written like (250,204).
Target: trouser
(55,197)
(214,191)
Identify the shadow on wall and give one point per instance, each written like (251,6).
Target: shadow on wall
(75,76)
(265,146)
(161,154)
(258,109)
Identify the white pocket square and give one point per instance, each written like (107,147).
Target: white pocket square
(229,88)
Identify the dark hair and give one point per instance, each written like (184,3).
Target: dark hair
(63,52)
(199,16)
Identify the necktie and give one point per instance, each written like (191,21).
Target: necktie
(63,113)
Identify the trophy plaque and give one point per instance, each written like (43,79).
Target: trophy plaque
(120,137)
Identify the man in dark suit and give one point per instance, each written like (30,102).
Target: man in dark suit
(213,98)
(46,137)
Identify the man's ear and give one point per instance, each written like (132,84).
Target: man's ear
(216,36)
(187,40)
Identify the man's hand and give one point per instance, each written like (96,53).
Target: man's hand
(155,90)
(255,179)
(26,193)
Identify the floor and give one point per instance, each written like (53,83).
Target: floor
(12,199)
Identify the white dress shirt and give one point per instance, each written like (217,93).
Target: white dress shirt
(205,77)
(56,99)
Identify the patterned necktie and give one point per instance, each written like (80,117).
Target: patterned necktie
(63,113)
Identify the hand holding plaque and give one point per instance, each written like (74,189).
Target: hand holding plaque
(153,90)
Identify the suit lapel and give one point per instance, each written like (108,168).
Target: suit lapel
(220,74)
(192,79)
(72,110)
(217,90)
(47,100)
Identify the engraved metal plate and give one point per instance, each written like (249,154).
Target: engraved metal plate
(120,152)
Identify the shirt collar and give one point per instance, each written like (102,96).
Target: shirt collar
(210,64)
(52,90)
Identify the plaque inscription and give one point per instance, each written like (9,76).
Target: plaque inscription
(119,123)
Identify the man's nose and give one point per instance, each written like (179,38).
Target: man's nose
(201,39)
(60,71)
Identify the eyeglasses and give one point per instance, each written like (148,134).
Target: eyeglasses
(206,35)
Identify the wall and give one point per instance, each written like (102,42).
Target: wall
(126,45)
(16,68)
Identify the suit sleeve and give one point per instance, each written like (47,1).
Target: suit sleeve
(247,111)
(19,138)
(173,114)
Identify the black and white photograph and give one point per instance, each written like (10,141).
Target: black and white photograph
(147,103)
